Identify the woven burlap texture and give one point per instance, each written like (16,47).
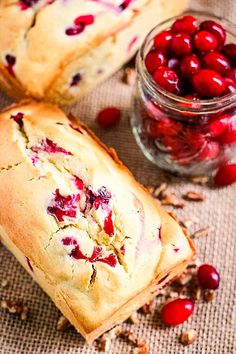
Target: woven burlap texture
(215,322)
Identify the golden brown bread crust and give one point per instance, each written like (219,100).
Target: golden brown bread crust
(145,249)
(47,60)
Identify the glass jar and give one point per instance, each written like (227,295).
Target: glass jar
(184,136)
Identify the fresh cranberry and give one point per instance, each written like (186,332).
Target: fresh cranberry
(205,41)
(108,117)
(177,311)
(218,126)
(186,24)
(79,24)
(192,97)
(229,50)
(229,135)
(162,41)
(230,86)
(173,142)
(169,126)
(216,29)
(75,79)
(226,175)
(154,59)
(195,139)
(173,64)
(167,79)
(189,65)
(216,61)
(208,277)
(208,83)
(181,44)
(150,128)
(231,74)
(191,105)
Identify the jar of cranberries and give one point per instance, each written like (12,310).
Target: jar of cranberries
(184,101)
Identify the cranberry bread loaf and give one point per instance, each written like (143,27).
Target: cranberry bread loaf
(76,219)
(59,50)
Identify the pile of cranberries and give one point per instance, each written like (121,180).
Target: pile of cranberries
(179,310)
(192,58)
(193,61)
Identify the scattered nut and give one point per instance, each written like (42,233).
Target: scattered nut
(201,233)
(194,196)
(163,292)
(130,336)
(141,349)
(149,307)
(129,76)
(158,191)
(173,294)
(196,293)
(104,344)
(202,180)
(24,313)
(209,295)
(188,337)
(185,278)
(191,265)
(4,283)
(134,318)
(173,200)
(62,323)
(15,307)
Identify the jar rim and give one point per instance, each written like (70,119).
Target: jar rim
(171,100)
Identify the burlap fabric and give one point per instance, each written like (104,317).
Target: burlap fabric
(215,322)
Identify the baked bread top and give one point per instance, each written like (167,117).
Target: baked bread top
(71,207)
(41,37)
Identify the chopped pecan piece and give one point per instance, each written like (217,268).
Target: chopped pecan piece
(158,191)
(15,307)
(194,196)
(173,200)
(4,283)
(129,76)
(202,180)
(188,337)
(62,323)
(201,232)
(209,295)
(196,293)
(149,307)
